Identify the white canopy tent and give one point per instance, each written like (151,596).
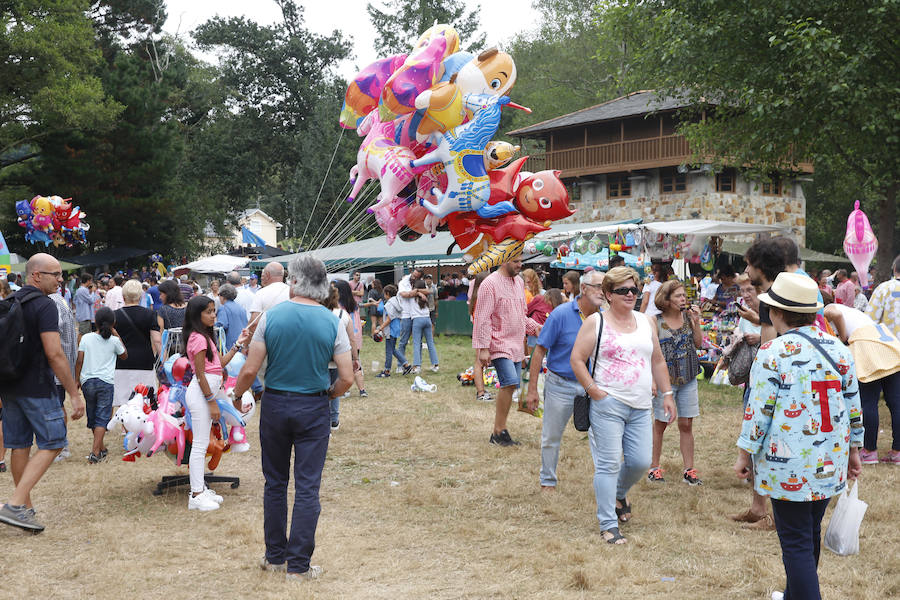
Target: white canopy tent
(219,263)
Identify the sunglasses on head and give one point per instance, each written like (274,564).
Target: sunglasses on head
(625,291)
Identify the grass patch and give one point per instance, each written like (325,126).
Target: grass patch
(417,504)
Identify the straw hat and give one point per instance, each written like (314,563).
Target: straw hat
(794,293)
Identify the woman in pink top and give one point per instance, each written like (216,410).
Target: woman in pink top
(628,358)
(202,392)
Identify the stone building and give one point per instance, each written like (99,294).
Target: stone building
(623,159)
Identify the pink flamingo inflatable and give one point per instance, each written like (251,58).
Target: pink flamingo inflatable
(860,243)
(166,427)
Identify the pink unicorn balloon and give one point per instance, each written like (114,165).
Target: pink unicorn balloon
(860,243)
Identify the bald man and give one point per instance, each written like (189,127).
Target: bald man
(274,291)
(31,407)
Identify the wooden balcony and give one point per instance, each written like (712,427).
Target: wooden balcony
(663,151)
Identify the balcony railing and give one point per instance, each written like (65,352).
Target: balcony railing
(618,156)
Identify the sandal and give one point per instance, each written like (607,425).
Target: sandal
(624,511)
(615,536)
(2,466)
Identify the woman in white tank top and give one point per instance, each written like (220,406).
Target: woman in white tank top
(629,359)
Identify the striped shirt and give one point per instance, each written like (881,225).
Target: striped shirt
(500,321)
(68,336)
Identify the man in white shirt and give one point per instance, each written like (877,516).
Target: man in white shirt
(408,303)
(244,296)
(274,291)
(114,299)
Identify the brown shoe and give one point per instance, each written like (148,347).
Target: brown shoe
(746,517)
(764,524)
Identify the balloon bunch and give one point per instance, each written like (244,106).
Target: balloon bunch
(51,219)
(427,119)
(156,261)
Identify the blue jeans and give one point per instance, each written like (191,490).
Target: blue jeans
(98,397)
(559,399)
(390,351)
(300,424)
(422,326)
(799,527)
(869,394)
(334,404)
(617,429)
(509,373)
(28,420)
(405,332)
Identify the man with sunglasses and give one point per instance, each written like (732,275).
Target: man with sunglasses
(31,407)
(498,331)
(560,386)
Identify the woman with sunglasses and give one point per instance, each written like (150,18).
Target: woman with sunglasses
(628,357)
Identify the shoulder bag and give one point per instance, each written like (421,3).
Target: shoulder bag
(581,412)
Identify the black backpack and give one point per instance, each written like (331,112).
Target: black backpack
(13,347)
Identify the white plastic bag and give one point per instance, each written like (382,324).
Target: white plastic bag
(842,535)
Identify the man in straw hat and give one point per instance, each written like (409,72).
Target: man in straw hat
(499,327)
(877,354)
(804,404)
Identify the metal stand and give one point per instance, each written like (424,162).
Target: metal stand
(171,481)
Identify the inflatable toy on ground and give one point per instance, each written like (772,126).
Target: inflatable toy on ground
(860,243)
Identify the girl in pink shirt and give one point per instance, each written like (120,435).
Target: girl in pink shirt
(203,391)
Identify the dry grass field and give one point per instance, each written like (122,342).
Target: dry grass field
(417,504)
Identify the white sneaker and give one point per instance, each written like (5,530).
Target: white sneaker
(217,498)
(63,455)
(315,572)
(201,502)
(435,368)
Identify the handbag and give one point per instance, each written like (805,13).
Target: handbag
(581,411)
(740,361)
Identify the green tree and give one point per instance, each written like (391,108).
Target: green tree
(400,23)
(48,75)
(791,80)
(273,138)
(556,64)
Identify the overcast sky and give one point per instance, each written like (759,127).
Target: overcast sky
(500,20)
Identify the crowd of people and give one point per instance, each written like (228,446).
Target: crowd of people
(821,366)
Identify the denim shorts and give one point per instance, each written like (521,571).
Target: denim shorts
(98,399)
(509,373)
(687,403)
(28,419)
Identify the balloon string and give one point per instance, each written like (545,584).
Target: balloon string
(328,230)
(352,215)
(328,216)
(324,179)
(349,229)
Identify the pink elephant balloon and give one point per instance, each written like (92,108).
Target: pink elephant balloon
(860,243)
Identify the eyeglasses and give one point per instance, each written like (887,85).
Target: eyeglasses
(625,291)
(56,274)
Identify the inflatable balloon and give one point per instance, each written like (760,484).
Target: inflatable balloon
(364,91)
(421,70)
(461,151)
(379,158)
(491,73)
(499,154)
(860,243)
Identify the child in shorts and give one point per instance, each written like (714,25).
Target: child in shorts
(95,370)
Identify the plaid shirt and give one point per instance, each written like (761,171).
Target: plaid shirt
(68,335)
(500,322)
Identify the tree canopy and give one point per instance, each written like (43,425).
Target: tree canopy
(400,23)
(790,80)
